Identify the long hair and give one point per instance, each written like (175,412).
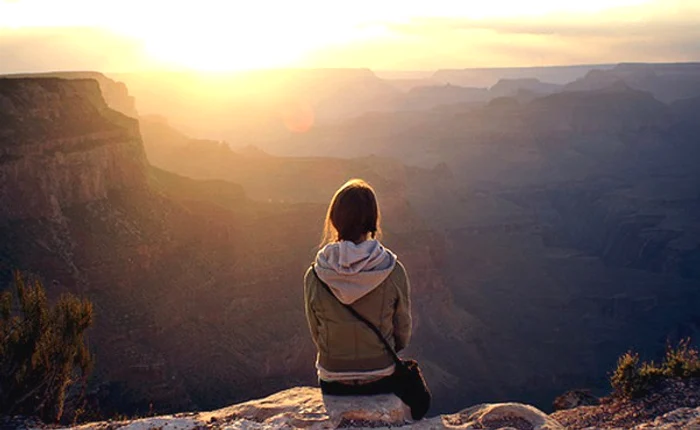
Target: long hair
(352,214)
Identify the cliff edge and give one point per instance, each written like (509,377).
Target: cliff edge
(60,144)
(672,406)
(307,408)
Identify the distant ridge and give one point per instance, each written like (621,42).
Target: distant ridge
(489,76)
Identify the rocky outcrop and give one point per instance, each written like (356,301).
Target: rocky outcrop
(573,399)
(60,144)
(306,408)
(115,93)
(672,404)
(681,418)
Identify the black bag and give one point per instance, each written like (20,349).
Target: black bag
(410,387)
(407,380)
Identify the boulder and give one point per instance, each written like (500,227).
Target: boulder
(369,411)
(501,416)
(306,407)
(573,399)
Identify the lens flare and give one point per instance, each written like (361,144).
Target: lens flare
(298,116)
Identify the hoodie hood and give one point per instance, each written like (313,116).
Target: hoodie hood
(352,271)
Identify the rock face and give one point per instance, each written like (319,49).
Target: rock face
(115,93)
(306,408)
(68,148)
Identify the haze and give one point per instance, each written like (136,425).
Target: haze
(39,35)
(173,163)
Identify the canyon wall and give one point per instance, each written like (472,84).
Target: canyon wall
(60,145)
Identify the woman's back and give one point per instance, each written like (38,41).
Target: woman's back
(344,343)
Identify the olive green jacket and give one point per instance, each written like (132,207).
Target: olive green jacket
(346,344)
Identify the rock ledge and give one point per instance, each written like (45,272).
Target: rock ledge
(306,408)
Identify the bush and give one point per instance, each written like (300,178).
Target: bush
(43,350)
(632,379)
(682,361)
(626,380)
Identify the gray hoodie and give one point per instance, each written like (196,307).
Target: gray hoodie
(354,270)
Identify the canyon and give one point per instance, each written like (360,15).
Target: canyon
(197,287)
(543,234)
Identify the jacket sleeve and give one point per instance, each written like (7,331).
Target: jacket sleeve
(402,314)
(311,318)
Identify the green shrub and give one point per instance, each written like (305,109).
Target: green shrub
(682,361)
(43,350)
(633,379)
(626,380)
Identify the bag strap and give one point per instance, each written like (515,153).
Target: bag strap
(357,315)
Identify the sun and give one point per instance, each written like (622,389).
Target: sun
(223,36)
(215,46)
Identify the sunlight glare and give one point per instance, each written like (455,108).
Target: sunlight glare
(213,35)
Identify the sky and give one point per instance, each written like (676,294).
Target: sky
(218,35)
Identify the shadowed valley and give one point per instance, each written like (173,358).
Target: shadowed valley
(548,224)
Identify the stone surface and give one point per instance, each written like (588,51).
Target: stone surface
(670,402)
(682,418)
(385,408)
(306,408)
(501,415)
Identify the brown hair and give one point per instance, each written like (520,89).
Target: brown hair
(352,214)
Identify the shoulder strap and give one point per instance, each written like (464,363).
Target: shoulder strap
(357,315)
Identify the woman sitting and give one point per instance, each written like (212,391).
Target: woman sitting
(353,268)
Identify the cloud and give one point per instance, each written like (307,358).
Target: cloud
(657,32)
(428,27)
(658,18)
